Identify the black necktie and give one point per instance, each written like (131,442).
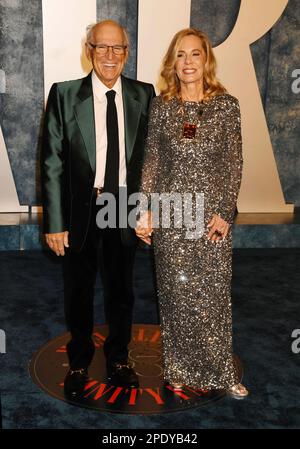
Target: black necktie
(111,178)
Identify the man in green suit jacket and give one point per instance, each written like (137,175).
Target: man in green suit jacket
(88,141)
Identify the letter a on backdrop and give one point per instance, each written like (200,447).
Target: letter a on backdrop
(261,189)
(158,21)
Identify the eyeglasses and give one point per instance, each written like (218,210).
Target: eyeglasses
(102,49)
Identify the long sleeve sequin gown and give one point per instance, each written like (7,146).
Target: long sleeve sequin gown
(194,275)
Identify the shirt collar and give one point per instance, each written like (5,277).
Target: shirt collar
(99,88)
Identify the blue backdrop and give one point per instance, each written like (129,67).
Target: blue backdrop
(275,56)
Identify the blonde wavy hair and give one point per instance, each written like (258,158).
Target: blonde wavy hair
(169,83)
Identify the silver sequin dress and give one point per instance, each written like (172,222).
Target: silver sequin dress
(194,275)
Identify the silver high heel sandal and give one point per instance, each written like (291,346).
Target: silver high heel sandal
(238,391)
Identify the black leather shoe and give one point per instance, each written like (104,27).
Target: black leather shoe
(123,375)
(75,381)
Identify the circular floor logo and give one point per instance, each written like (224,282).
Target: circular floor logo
(49,366)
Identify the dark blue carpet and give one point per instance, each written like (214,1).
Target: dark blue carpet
(266,292)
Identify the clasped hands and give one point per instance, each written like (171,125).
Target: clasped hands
(144,227)
(218,228)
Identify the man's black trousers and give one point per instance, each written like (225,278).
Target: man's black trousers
(103,250)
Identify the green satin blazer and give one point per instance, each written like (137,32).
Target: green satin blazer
(69,153)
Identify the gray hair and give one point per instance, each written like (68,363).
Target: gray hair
(90,30)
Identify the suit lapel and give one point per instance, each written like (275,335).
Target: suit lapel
(84,114)
(132,113)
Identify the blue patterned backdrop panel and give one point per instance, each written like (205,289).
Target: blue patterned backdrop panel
(216,18)
(126,13)
(21,59)
(282,105)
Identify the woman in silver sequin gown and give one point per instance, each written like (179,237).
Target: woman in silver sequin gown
(194,275)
